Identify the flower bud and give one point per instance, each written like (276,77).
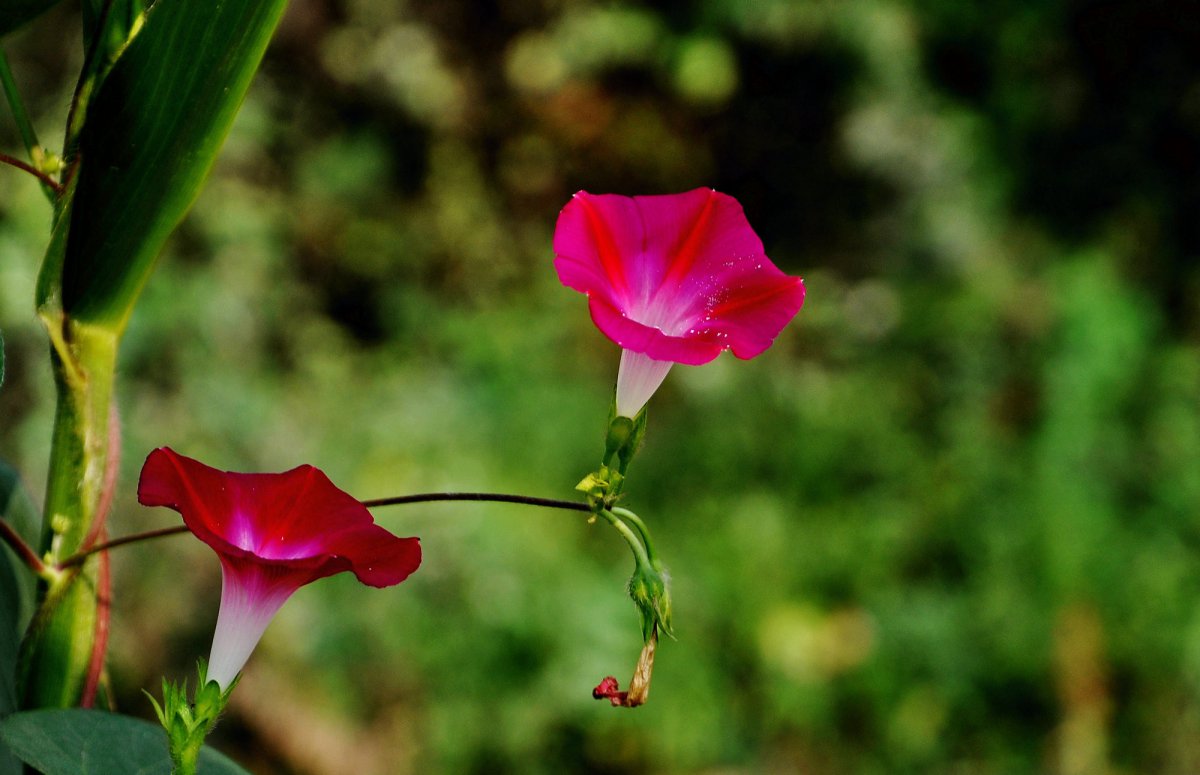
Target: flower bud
(648,587)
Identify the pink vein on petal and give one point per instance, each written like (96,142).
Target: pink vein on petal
(676,277)
(606,247)
(682,262)
(738,302)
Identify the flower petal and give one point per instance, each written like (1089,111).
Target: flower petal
(273,533)
(595,238)
(632,335)
(637,379)
(296,519)
(751,313)
(250,597)
(678,277)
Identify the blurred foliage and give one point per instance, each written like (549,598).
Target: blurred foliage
(946,524)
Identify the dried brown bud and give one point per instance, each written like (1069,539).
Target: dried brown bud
(639,685)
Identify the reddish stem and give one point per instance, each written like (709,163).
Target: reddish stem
(78,559)
(46,179)
(111,469)
(18,545)
(100,641)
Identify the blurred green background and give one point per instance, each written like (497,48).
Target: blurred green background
(948,523)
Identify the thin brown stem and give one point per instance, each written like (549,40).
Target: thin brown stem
(46,179)
(22,549)
(426,497)
(79,557)
(490,497)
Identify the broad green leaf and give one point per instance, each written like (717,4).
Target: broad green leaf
(153,130)
(14,13)
(108,26)
(16,508)
(16,596)
(119,21)
(93,742)
(1,360)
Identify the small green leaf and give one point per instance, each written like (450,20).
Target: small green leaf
(93,742)
(14,13)
(153,131)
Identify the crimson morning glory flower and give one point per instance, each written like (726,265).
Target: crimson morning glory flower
(671,279)
(273,533)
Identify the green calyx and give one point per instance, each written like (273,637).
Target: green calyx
(621,442)
(649,584)
(188,722)
(623,438)
(648,588)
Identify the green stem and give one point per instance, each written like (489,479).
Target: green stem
(185,760)
(644,531)
(24,125)
(57,651)
(635,544)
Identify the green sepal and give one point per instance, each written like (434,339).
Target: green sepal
(188,722)
(648,587)
(634,443)
(623,438)
(620,431)
(650,591)
(601,487)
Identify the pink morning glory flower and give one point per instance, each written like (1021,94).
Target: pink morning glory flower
(671,279)
(273,533)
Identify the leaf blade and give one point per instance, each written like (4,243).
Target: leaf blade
(17,590)
(153,131)
(93,742)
